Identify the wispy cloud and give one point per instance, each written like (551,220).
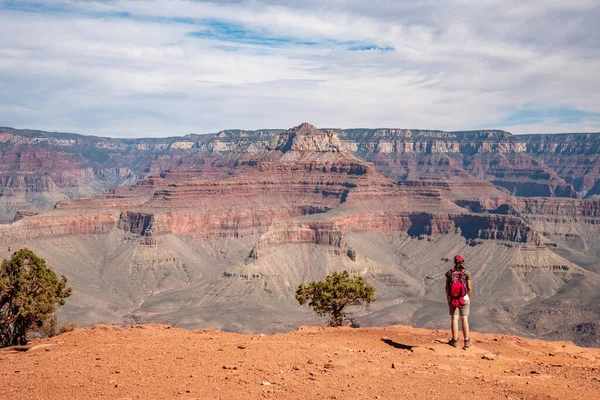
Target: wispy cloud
(139,68)
(35,6)
(236,33)
(370,47)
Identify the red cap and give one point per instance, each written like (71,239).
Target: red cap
(459,259)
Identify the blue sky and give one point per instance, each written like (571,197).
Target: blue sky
(158,68)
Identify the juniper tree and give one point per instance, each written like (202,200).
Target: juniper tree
(331,296)
(29,293)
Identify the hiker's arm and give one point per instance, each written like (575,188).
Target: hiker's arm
(469,287)
(447,287)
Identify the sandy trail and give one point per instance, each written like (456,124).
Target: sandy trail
(159,362)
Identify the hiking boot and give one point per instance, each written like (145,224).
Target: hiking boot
(468,344)
(453,342)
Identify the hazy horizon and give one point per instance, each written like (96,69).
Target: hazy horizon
(175,135)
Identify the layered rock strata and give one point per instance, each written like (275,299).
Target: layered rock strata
(235,221)
(50,224)
(304,173)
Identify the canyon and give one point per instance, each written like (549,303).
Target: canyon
(217,230)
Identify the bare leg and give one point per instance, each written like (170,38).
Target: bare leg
(454,327)
(465,326)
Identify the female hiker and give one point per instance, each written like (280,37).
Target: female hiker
(458,293)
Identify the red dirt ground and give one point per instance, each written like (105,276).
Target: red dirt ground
(160,362)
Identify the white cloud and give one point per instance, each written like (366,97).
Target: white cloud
(80,66)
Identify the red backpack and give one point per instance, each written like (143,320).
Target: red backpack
(458,288)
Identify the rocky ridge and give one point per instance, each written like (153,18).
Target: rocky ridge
(80,166)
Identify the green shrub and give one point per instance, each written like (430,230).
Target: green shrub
(29,294)
(331,296)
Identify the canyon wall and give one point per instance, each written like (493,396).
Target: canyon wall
(43,225)
(39,169)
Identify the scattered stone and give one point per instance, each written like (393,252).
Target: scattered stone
(393,366)
(310,362)
(328,366)
(489,357)
(229,367)
(241,347)
(265,383)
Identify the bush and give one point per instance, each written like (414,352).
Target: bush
(53,326)
(68,327)
(50,327)
(29,294)
(332,296)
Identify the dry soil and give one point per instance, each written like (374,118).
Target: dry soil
(160,362)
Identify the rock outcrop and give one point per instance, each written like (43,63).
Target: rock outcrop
(48,224)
